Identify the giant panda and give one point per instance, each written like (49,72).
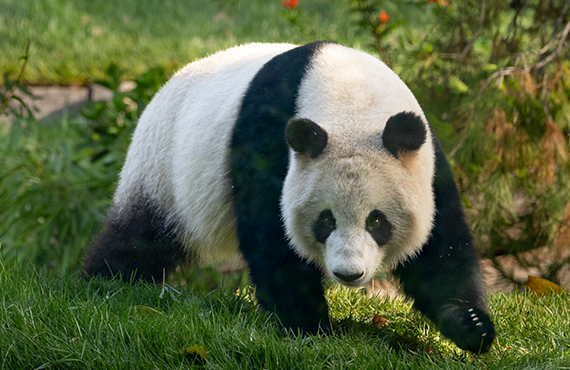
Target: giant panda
(310,161)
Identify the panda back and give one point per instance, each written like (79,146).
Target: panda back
(179,152)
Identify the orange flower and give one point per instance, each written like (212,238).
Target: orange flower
(290,4)
(384,17)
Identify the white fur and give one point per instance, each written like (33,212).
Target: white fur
(351,95)
(180,152)
(180,149)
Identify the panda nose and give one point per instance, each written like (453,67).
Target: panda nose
(348,277)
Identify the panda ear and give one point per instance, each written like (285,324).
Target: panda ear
(306,137)
(404,132)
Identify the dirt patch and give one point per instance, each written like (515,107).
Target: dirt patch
(50,103)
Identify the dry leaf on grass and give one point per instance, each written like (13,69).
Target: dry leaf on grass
(542,287)
(195,354)
(144,310)
(379,321)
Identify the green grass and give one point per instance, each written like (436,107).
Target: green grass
(74,41)
(68,323)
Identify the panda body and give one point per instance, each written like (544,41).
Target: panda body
(183,167)
(306,160)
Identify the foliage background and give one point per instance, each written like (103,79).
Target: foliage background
(492,77)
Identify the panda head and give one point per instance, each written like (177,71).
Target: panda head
(358,193)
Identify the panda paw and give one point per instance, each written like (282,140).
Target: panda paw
(469,327)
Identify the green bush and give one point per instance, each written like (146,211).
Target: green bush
(57,180)
(500,80)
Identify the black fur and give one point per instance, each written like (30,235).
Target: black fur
(379,227)
(135,244)
(306,137)
(324,226)
(404,132)
(445,279)
(284,282)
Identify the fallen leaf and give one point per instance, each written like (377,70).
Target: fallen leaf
(379,321)
(145,310)
(542,287)
(195,354)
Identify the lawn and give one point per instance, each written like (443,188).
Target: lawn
(67,323)
(75,41)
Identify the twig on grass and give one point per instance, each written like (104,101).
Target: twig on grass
(11,91)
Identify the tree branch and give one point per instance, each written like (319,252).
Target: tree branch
(469,45)
(507,71)
(556,51)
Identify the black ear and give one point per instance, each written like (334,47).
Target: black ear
(404,132)
(306,137)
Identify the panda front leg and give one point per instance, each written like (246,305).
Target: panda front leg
(445,280)
(448,290)
(284,283)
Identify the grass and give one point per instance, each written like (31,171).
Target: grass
(74,41)
(67,323)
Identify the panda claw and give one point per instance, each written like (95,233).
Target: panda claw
(470,328)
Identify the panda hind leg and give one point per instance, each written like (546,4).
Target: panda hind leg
(135,244)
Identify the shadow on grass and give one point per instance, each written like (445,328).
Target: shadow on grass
(401,340)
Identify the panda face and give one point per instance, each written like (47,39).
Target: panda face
(348,216)
(358,193)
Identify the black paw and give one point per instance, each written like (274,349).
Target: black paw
(469,327)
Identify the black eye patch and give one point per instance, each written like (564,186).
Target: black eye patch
(324,226)
(379,227)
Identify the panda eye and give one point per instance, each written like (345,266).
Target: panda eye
(324,226)
(379,227)
(373,222)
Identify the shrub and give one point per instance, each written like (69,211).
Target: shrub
(56,181)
